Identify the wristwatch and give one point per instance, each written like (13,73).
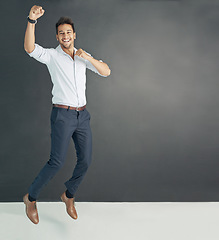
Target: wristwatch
(31,21)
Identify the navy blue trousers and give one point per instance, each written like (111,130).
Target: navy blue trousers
(66,124)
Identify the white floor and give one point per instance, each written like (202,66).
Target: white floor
(112,221)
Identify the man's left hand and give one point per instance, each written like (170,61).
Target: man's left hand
(81,53)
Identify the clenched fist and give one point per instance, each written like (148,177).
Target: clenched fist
(36,12)
(81,53)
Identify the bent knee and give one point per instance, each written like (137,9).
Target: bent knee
(54,163)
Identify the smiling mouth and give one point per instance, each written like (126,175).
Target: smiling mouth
(66,40)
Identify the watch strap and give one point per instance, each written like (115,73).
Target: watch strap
(31,21)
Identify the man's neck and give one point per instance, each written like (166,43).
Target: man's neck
(69,51)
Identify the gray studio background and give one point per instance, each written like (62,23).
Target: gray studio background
(155,120)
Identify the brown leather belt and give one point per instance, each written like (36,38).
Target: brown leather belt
(71,108)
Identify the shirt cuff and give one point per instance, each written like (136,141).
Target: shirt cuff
(33,52)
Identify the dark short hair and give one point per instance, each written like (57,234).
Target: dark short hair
(65,20)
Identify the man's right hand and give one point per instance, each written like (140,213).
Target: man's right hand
(36,12)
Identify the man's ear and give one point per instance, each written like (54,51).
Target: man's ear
(74,35)
(57,37)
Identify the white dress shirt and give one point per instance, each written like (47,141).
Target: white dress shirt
(68,75)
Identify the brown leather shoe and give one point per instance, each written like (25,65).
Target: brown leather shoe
(31,210)
(70,208)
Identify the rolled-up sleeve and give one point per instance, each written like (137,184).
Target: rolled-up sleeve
(40,54)
(90,66)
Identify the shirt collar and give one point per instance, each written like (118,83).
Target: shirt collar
(59,49)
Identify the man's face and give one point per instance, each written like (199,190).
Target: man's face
(66,36)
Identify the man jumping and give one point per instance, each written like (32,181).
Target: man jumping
(69,116)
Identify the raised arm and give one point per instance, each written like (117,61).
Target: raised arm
(29,39)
